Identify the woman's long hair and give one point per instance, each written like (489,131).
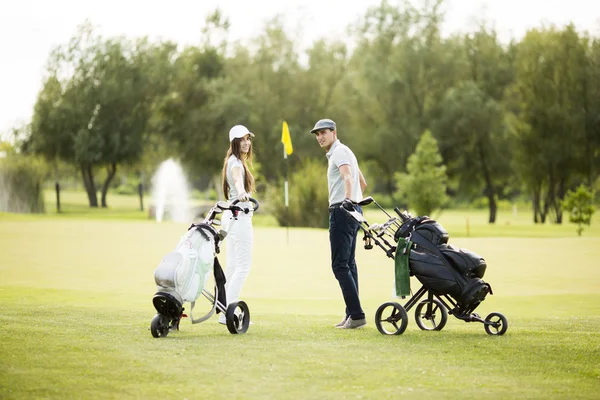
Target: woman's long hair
(235,148)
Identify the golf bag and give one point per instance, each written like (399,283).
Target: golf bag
(182,274)
(442,268)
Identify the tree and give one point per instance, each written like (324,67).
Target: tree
(477,137)
(579,204)
(400,69)
(550,88)
(424,186)
(490,65)
(201,104)
(186,116)
(266,81)
(590,86)
(94,106)
(473,142)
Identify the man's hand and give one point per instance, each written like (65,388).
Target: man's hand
(347,204)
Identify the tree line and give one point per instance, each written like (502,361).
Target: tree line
(510,119)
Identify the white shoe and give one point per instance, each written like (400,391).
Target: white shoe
(354,323)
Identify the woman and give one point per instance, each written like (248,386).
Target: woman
(238,184)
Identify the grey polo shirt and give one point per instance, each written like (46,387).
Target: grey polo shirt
(338,155)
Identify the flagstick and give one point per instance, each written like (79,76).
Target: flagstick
(287,203)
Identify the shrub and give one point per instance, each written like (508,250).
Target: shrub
(308,197)
(21,180)
(482,202)
(127,189)
(579,204)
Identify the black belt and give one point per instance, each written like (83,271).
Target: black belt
(334,206)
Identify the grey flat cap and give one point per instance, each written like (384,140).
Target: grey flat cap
(323,124)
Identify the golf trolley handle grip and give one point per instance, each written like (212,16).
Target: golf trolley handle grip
(401,214)
(252,200)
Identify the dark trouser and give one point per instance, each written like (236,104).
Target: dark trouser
(342,238)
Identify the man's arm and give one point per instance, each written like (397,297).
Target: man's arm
(362,180)
(347,179)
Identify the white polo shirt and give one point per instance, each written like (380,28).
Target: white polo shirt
(338,155)
(233,161)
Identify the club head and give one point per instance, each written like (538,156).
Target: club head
(357,216)
(366,201)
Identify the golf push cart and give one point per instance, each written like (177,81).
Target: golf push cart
(183,274)
(451,278)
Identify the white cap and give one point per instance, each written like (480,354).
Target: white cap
(239,131)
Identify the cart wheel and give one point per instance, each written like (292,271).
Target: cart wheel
(159,326)
(237,317)
(427,314)
(495,324)
(395,322)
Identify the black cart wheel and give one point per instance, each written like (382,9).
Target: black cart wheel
(391,319)
(495,324)
(431,315)
(159,327)
(237,317)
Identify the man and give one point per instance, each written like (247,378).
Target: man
(346,185)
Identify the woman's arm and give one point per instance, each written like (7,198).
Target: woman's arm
(238,182)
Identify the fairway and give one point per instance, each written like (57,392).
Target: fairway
(76,298)
(143,145)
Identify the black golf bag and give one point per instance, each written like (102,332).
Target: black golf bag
(441,268)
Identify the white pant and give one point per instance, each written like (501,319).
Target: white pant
(238,243)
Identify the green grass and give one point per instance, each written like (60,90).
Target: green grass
(74,204)
(76,307)
(459,223)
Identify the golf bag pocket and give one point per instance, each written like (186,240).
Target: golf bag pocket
(474,293)
(164,274)
(466,262)
(436,276)
(186,270)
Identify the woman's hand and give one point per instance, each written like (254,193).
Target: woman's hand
(244,197)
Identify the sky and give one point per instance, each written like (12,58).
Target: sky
(29,29)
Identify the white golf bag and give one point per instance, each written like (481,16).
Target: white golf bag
(183,273)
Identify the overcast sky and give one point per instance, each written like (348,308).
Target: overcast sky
(29,29)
